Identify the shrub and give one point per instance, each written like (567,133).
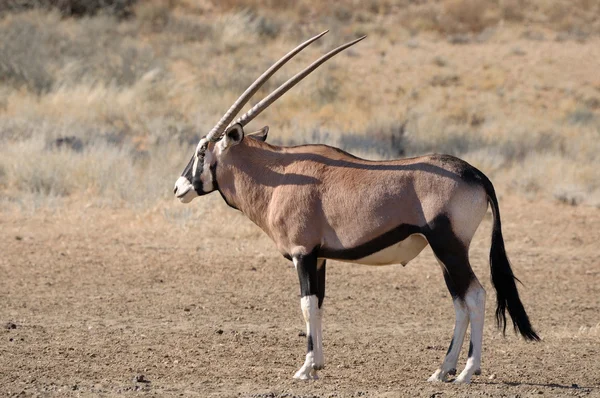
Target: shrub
(466,15)
(25,53)
(38,52)
(78,8)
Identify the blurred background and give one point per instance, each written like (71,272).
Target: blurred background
(104,100)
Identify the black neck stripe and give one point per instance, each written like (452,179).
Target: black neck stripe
(213,175)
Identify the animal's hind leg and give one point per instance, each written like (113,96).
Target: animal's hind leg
(460,329)
(475,301)
(452,254)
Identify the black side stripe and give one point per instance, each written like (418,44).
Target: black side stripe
(366,249)
(440,236)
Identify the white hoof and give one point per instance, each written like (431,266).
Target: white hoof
(439,376)
(306,373)
(464,377)
(462,380)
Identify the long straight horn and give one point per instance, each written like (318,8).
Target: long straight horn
(264,104)
(217,131)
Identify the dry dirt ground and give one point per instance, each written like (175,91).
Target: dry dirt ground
(99,302)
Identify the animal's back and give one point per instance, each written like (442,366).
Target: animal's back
(365,199)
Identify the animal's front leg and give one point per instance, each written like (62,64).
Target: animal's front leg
(311,272)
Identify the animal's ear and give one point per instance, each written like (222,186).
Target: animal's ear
(260,135)
(234,135)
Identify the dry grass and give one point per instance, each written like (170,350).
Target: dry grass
(118,8)
(520,100)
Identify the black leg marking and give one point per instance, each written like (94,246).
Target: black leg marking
(470,349)
(450,348)
(321,281)
(311,273)
(452,371)
(306,265)
(453,255)
(450,284)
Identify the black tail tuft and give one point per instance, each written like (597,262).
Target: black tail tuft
(503,278)
(506,289)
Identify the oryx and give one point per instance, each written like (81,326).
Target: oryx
(318,202)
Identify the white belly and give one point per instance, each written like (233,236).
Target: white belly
(399,253)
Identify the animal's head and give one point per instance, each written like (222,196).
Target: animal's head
(199,177)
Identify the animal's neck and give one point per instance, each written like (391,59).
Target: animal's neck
(247,180)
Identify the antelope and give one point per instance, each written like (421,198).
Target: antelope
(318,202)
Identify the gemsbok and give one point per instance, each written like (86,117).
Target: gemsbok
(317,202)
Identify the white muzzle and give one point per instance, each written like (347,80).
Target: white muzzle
(184,191)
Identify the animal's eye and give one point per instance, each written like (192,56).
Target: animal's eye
(201,150)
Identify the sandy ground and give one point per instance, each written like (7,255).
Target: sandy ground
(105,302)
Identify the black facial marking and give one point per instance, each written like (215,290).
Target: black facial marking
(213,175)
(470,354)
(187,172)
(196,178)
(450,348)
(309,344)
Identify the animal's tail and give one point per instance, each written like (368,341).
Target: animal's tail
(503,277)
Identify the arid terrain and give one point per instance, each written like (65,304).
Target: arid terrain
(93,300)
(109,286)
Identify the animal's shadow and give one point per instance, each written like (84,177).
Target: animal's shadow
(546,385)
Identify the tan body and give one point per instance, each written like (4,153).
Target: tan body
(316,195)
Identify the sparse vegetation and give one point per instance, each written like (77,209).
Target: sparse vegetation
(137,84)
(118,8)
